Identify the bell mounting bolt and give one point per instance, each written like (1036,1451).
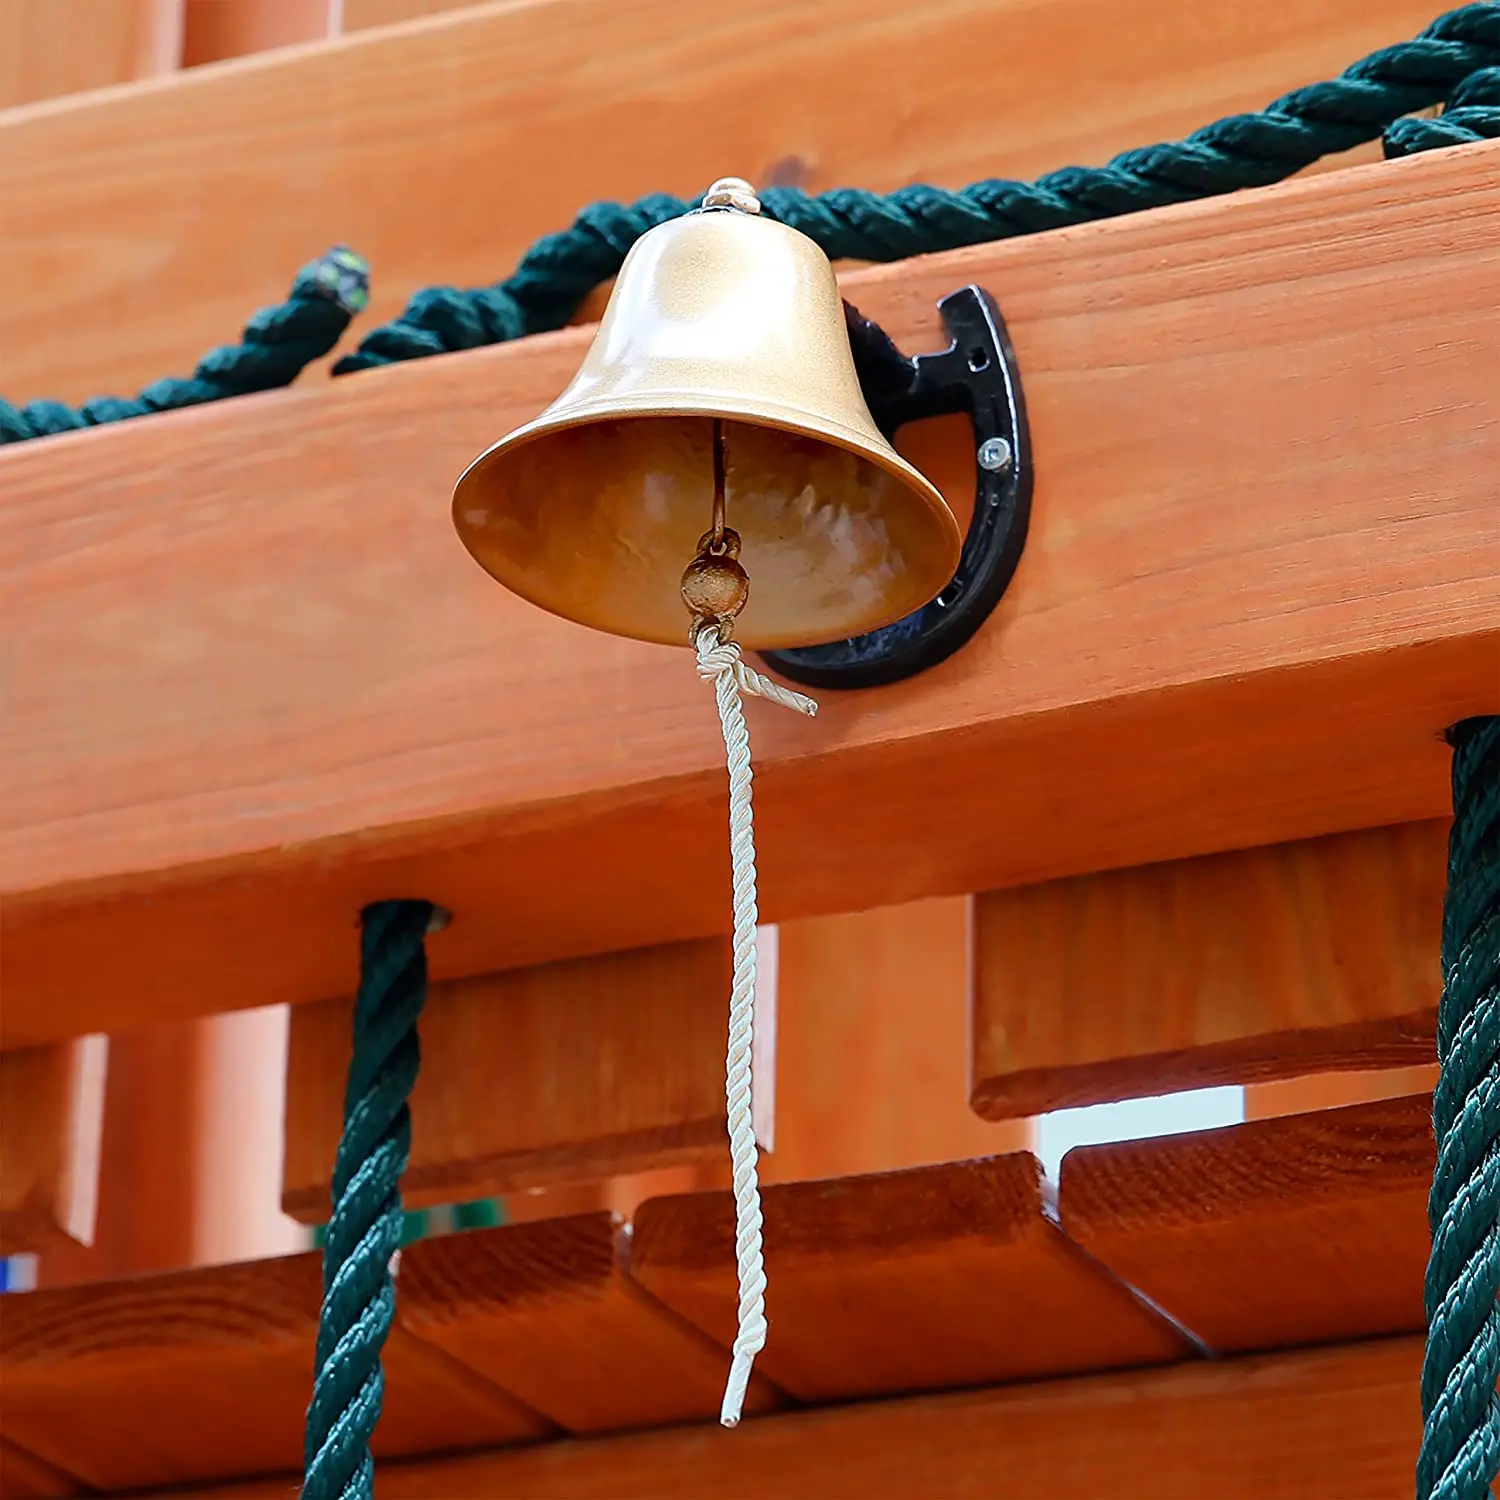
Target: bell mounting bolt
(975,375)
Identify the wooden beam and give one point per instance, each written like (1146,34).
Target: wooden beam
(872,1045)
(443,149)
(1261,963)
(1224,632)
(563,1073)
(547,1312)
(1297,1230)
(1296,1096)
(206,1374)
(51,1124)
(54,47)
(875,1282)
(1341,1423)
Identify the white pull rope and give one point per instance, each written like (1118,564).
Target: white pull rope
(719,662)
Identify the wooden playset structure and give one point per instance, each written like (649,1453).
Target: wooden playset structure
(1208,790)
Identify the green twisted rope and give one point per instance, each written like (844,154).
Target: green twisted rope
(1461,1443)
(365,1230)
(1456,59)
(277,345)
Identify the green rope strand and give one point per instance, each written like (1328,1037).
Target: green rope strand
(365,1230)
(1460,1454)
(277,345)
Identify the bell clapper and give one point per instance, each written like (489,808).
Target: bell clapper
(715,589)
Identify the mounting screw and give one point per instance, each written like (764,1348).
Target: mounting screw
(994,455)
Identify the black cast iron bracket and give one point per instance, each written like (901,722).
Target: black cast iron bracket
(975,375)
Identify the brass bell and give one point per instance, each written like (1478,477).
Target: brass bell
(723,345)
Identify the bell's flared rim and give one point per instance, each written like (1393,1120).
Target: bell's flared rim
(756,412)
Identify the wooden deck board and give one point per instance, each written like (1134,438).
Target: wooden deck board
(1341,1423)
(1215,640)
(1302,1229)
(568,1072)
(931,1278)
(1233,968)
(546,1311)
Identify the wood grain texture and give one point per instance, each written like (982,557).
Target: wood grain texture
(51,1127)
(361,15)
(1298,1230)
(443,149)
(872,1045)
(214,30)
(1296,1096)
(24,1477)
(54,47)
(1340,1423)
(567,1072)
(920,1280)
(546,1311)
(1241,966)
(1213,641)
(206,1374)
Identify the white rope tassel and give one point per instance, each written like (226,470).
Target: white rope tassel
(719,662)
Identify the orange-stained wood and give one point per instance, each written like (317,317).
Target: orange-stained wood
(1291,1231)
(54,47)
(1239,966)
(151,1161)
(1341,1424)
(872,1045)
(442,150)
(217,29)
(546,1311)
(572,1071)
(360,15)
(25,1477)
(51,1124)
(206,1374)
(1293,1096)
(939,1276)
(1216,638)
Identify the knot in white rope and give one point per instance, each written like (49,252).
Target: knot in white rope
(719,663)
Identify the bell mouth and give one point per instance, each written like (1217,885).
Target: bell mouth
(594,516)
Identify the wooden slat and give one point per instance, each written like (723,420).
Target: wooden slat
(54,47)
(1214,640)
(205,1374)
(218,29)
(872,1045)
(24,1477)
(1296,1230)
(1296,1096)
(443,150)
(546,1311)
(1255,964)
(1340,1423)
(566,1072)
(940,1276)
(360,15)
(51,1123)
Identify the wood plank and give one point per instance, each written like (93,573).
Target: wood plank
(217,29)
(1212,641)
(51,1124)
(1340,1423)
(875,1282)
(23,1477)
(547,1311)
(1295,1230)
(1260,963)
(361,15)
(54,47)
(568,1072)
(872,1045)
(206,1374)
(443,149)
(1296,1096)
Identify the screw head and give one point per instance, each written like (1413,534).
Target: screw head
(994,455)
